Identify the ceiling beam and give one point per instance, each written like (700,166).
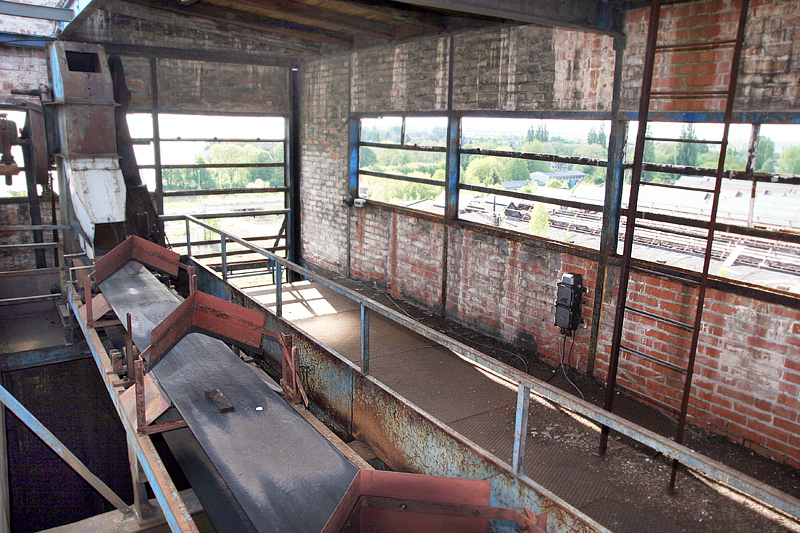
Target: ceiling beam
(176,25)
(84,13)
(18,9)
(581,14)
(410,16)
(312,16)
(249,21)
(201,55)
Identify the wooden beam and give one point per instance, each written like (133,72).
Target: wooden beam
(177,22)
(249,21)
(312,16)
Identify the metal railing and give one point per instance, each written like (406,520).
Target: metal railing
(58,247)
(525,384)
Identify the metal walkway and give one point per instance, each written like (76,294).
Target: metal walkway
(623,491)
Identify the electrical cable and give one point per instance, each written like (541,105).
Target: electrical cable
(561,363)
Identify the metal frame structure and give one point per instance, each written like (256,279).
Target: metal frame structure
(525,386)
(654,47)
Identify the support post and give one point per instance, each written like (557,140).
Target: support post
(278,290)
(364,340)
(5,498)
(223,248)
(521,428)
(188,239)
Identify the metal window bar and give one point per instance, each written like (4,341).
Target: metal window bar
(647,94)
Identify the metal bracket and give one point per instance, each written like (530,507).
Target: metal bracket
(289,381)
(141,409)
(134,249)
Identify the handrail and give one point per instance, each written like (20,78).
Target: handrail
(526,383)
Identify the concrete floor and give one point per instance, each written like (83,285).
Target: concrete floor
(624,491)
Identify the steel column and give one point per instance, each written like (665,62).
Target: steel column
(188,239)
(223,249)
(5,499)
(278,290)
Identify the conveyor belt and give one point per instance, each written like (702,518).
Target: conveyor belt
(285,475)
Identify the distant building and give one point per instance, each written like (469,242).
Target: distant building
(515,185)
(569,178)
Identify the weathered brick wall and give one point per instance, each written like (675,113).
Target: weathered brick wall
(529,68)
(409,77)
(507,288)
(15,212)
(324,163)
(747,371)
(748,365)
(20,68)
(221,86)
(401,253)
(770,58)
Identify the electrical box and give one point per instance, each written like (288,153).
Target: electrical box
(569,297)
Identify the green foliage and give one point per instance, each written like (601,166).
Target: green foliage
(598,137)
(542,134)
(516,170)
(686,153)
(765,159)
(537,147)
(540,219)
(529,188)
(555,184)
(484,171)
(391,191)
(789,162)
(367,157)
(224,178)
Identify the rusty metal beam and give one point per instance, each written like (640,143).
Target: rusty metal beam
(137,249)
(210,315)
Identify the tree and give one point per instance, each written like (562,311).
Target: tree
(765,158)
(555,184)
(537,147)
(542,134)
(789,162)
(485,170)
(516,170)
(602,140)
(686,153)
(592,137)
(540,219)
(368,157)
(531,134)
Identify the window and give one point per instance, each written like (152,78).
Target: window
(539,177)
(220,168)
(402,161)
(756,214)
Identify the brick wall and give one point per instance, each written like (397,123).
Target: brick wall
(20,68)
(324,162)
(770,58)
(13,212)
(748,364)
(402,254)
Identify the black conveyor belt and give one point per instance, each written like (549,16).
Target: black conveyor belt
(285,475)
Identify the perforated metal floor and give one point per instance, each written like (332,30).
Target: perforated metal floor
(624,490)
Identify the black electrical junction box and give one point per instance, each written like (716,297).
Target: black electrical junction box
(568,302)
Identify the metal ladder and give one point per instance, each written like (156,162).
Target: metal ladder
(700,282)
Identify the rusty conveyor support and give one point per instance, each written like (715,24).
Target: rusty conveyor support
(396,502)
